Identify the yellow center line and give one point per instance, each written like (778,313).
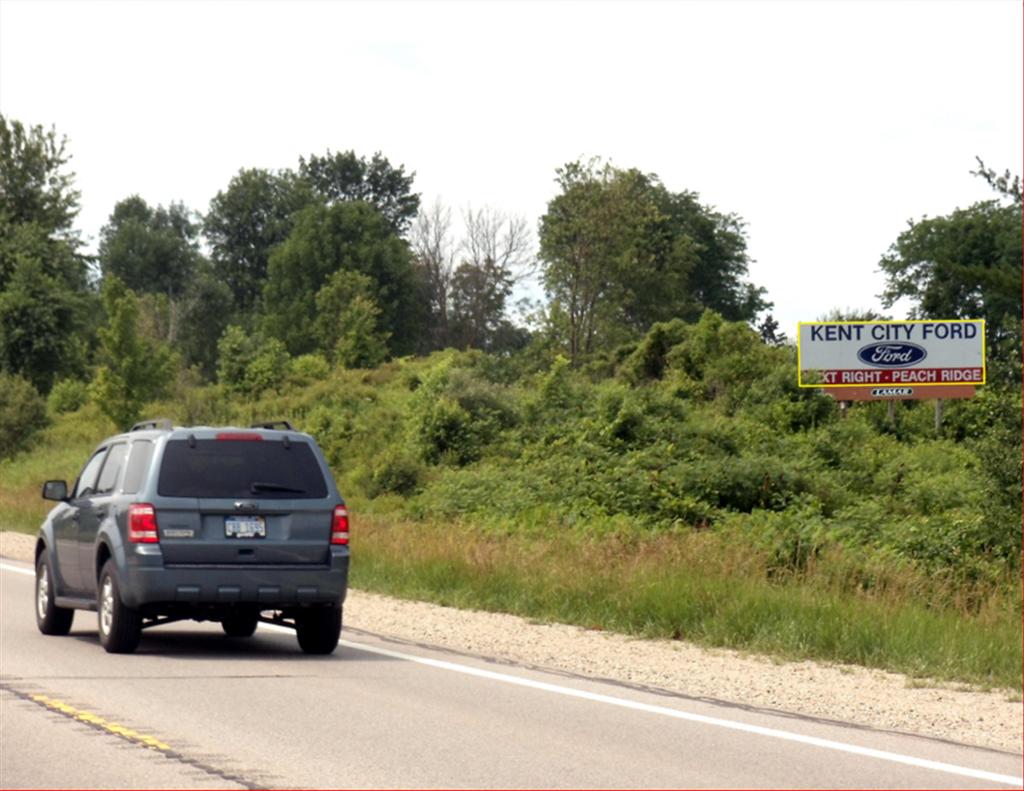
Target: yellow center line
(99,722)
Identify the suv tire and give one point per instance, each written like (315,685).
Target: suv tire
(50,618)
(240,624)
(319,628)
(120,626)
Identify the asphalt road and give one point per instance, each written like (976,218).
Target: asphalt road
(195,709)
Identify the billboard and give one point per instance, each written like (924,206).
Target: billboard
(919,353)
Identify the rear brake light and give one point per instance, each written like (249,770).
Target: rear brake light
(239,436)
(142,524)
(339,525)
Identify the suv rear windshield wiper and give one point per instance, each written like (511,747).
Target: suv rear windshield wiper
(260,486)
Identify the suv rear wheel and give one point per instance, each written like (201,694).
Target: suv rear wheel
(120,626)
(50,618)
(319,629)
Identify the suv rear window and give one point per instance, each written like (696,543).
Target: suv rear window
(227,468)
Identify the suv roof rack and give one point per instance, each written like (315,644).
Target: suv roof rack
(274,425)
(162,423)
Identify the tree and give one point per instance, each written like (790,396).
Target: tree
(497,252)
(34,188)
(44,299)
(351,236)
(710,248)
(152,250)
(133,370)
(38,337)
(205,311)
(246,222)
(345,177)
(966,264)
(591,241)
(621,252)
(769,332)
(434,265)
(347,321)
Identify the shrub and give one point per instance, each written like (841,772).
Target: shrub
(248,364)
(68,395)
(445,432)
(310,368)
(22,413)
(395,473)
(268,367)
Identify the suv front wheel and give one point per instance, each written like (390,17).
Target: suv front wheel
(120,626)
(50,618)
(319,628)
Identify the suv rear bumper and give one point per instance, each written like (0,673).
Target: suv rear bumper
(148,581)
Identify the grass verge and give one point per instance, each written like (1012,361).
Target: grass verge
(696,587)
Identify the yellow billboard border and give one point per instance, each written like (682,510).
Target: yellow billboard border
(984,351)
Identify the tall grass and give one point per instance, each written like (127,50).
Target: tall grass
(58,452)
(700,587)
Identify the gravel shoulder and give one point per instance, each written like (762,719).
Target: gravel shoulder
(874,698)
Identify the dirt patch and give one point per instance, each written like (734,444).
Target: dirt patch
(843,692)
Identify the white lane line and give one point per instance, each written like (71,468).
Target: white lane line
(648,708)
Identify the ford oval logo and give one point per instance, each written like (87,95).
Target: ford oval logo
(892,355)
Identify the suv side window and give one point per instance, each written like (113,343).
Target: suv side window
(138,465)
(111,468)
(87,480)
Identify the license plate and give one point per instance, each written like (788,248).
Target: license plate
(245,527)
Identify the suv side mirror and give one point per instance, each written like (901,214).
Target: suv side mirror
(55,490)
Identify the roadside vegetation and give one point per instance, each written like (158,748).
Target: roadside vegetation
(718,504)
(637,457)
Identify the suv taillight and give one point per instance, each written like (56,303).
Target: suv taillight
(339,525)
(142,524)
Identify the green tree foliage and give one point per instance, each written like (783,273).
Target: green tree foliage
(155,253)
(711,248)
(621,252)
(151,250)
(347,321)
(250,363)
(350,236)
(246,221)
(22,413)
(44,302)
(38,319)
(591,242)
(34,189)
(343,176)
(204,313)
(133,369)
(966,264)
(67,395)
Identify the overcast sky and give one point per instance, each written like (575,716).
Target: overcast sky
(824,125)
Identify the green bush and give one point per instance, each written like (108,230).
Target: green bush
(67,395)
(395,473)
(248,364)
(22,413)
(310,368)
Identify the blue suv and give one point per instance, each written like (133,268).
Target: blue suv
(221,524)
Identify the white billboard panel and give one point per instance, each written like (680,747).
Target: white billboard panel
(919,353)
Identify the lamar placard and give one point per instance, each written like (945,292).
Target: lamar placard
(896,353)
